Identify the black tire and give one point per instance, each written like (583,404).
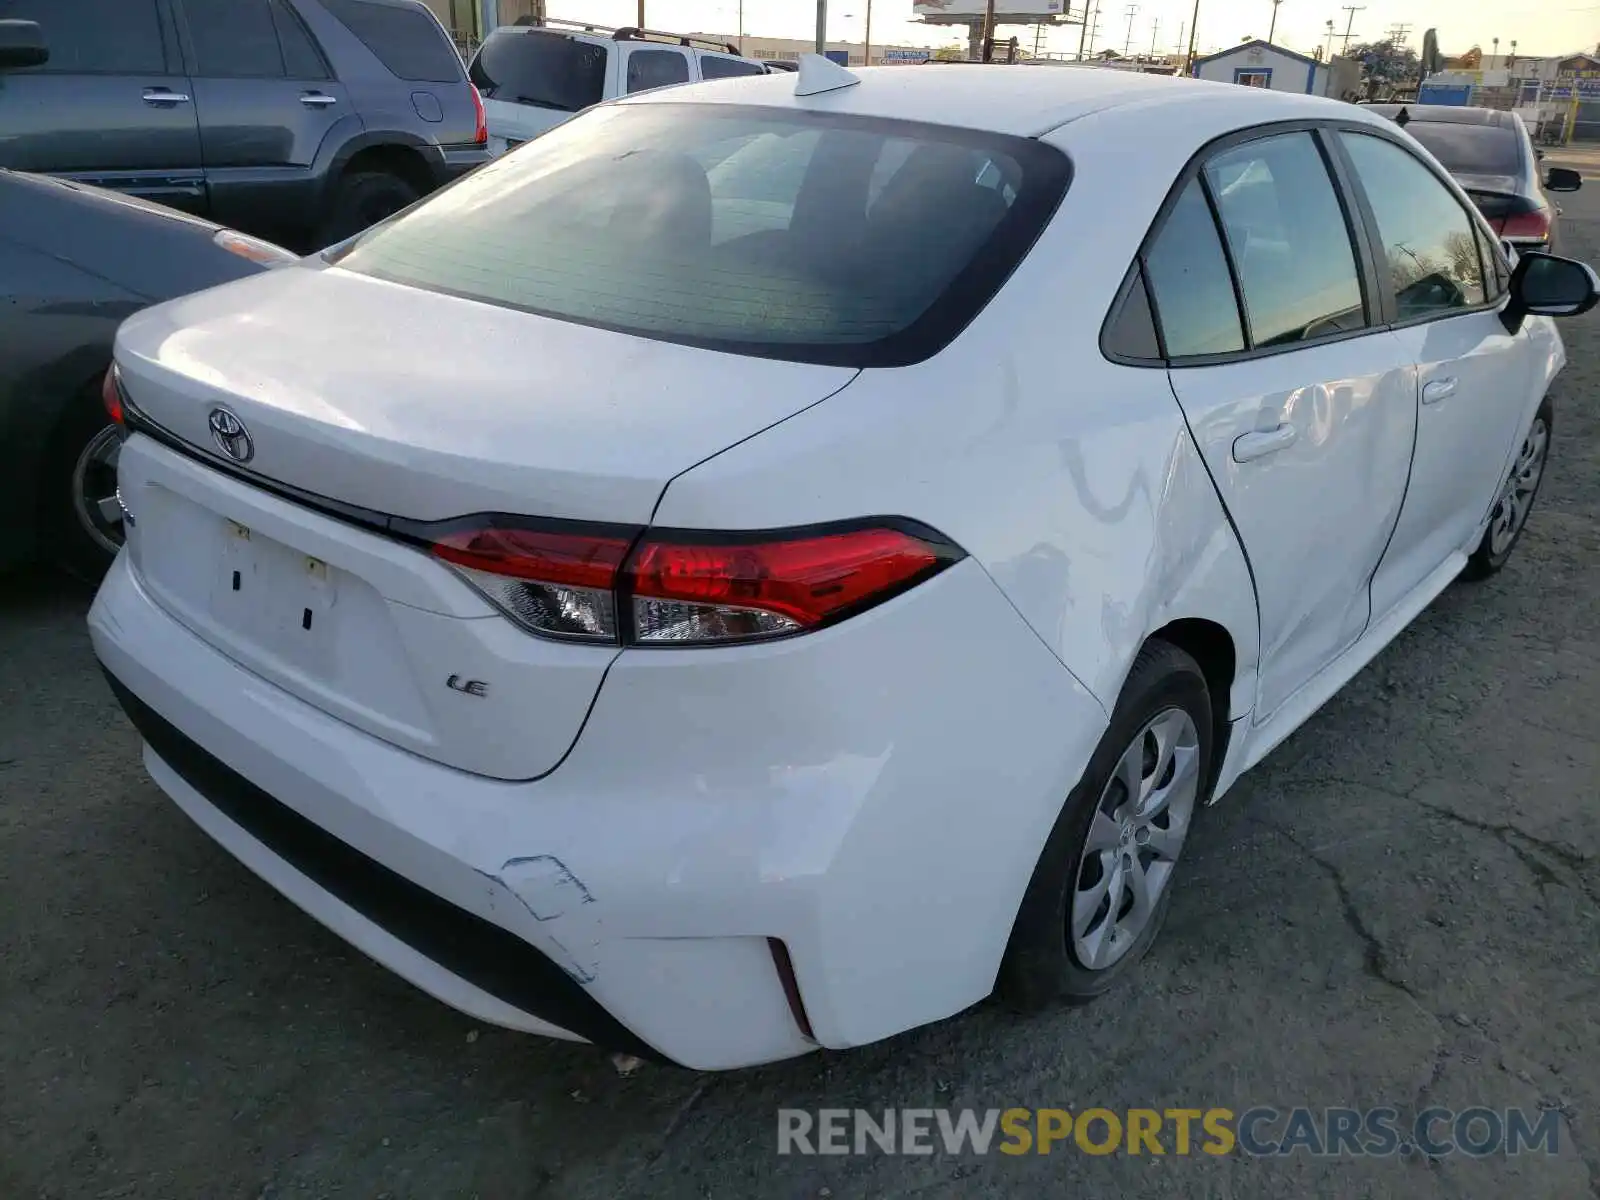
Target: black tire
(1490,557)
(69,536)
(1041,967)
(361,199)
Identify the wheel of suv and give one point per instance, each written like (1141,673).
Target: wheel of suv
(80,517)
(362,199)
(1101,889)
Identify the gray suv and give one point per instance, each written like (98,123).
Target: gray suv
(301,121)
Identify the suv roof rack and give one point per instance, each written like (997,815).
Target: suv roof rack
(630,33)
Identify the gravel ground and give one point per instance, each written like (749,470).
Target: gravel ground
(1398,907)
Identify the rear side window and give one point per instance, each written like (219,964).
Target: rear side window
(106,37)
(1188,276)
(1288,240)
(301,58)
(656,68)
(546,70)
(1428,239)
(406,40)
(1470,149)
(234,38)
(737,228)
(713,66)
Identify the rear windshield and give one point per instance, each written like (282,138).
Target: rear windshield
(547,70)
(797,235)
(1470,149)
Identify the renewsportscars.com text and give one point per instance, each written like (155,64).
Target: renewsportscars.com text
(1260,1131)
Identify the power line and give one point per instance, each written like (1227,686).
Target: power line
(1352,9)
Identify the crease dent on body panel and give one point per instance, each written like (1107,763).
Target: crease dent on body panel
(548,889)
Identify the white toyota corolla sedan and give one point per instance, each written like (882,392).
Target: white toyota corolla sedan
(770,563)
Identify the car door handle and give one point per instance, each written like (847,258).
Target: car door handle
(163,96)
(1250,446)
(317,100)
(1436,390)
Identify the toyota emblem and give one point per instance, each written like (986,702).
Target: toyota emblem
(230,435)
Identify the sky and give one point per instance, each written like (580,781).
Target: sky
(1540,27)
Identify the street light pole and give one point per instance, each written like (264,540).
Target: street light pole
(1273,28)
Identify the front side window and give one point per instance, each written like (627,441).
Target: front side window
(1289,241)
(656,68)
(234,38)
(740,229)
(1429,241)
(1189,282)
(542,69)
(94,37)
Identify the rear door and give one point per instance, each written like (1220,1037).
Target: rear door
(266,101)
(112,107)
(1476,379)
(1303,408)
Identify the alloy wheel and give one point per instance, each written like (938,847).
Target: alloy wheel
(1135,838)
(94,490)
(1511,513)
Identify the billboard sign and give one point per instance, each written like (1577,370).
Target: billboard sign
(1005,11)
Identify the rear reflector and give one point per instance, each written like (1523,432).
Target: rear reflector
(690,589)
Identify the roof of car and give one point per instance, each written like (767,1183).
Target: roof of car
(993,97)
(1450,114)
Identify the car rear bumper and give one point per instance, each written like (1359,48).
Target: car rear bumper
(871,801)
(457,161)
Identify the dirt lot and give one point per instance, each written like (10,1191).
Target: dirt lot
(1401,906)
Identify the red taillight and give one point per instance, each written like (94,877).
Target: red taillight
(1527,226)
(111,394)
(482,135)
(559,584)
(712,591)
(687,589)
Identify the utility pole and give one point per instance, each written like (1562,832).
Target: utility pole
(1273,28)
(988,31)
(1155,28)
(1131,11)
(866,36)
(1352,9)
(1181,29)
(1083,34)
(1397,34)
(1038,36)
(1194,28)
(641,13)
(822,24)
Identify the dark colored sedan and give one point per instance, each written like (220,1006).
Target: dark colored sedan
(1494,160)
(74,262)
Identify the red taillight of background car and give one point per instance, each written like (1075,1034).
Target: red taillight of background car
(111,394)
(1531,226)
(686,589)
(481,137)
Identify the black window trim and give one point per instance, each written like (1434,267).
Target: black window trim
(284,10)
(1474,218)
(1361,225)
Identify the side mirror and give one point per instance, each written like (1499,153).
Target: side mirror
(1543,285)
(1538,154)
(22,45)
(1562,179)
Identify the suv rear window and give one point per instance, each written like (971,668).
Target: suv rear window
(1470,149)
(547,70)
(746,229)
(407,40)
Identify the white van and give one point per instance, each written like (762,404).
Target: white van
(534,76)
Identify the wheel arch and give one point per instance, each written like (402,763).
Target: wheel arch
(1212,647)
